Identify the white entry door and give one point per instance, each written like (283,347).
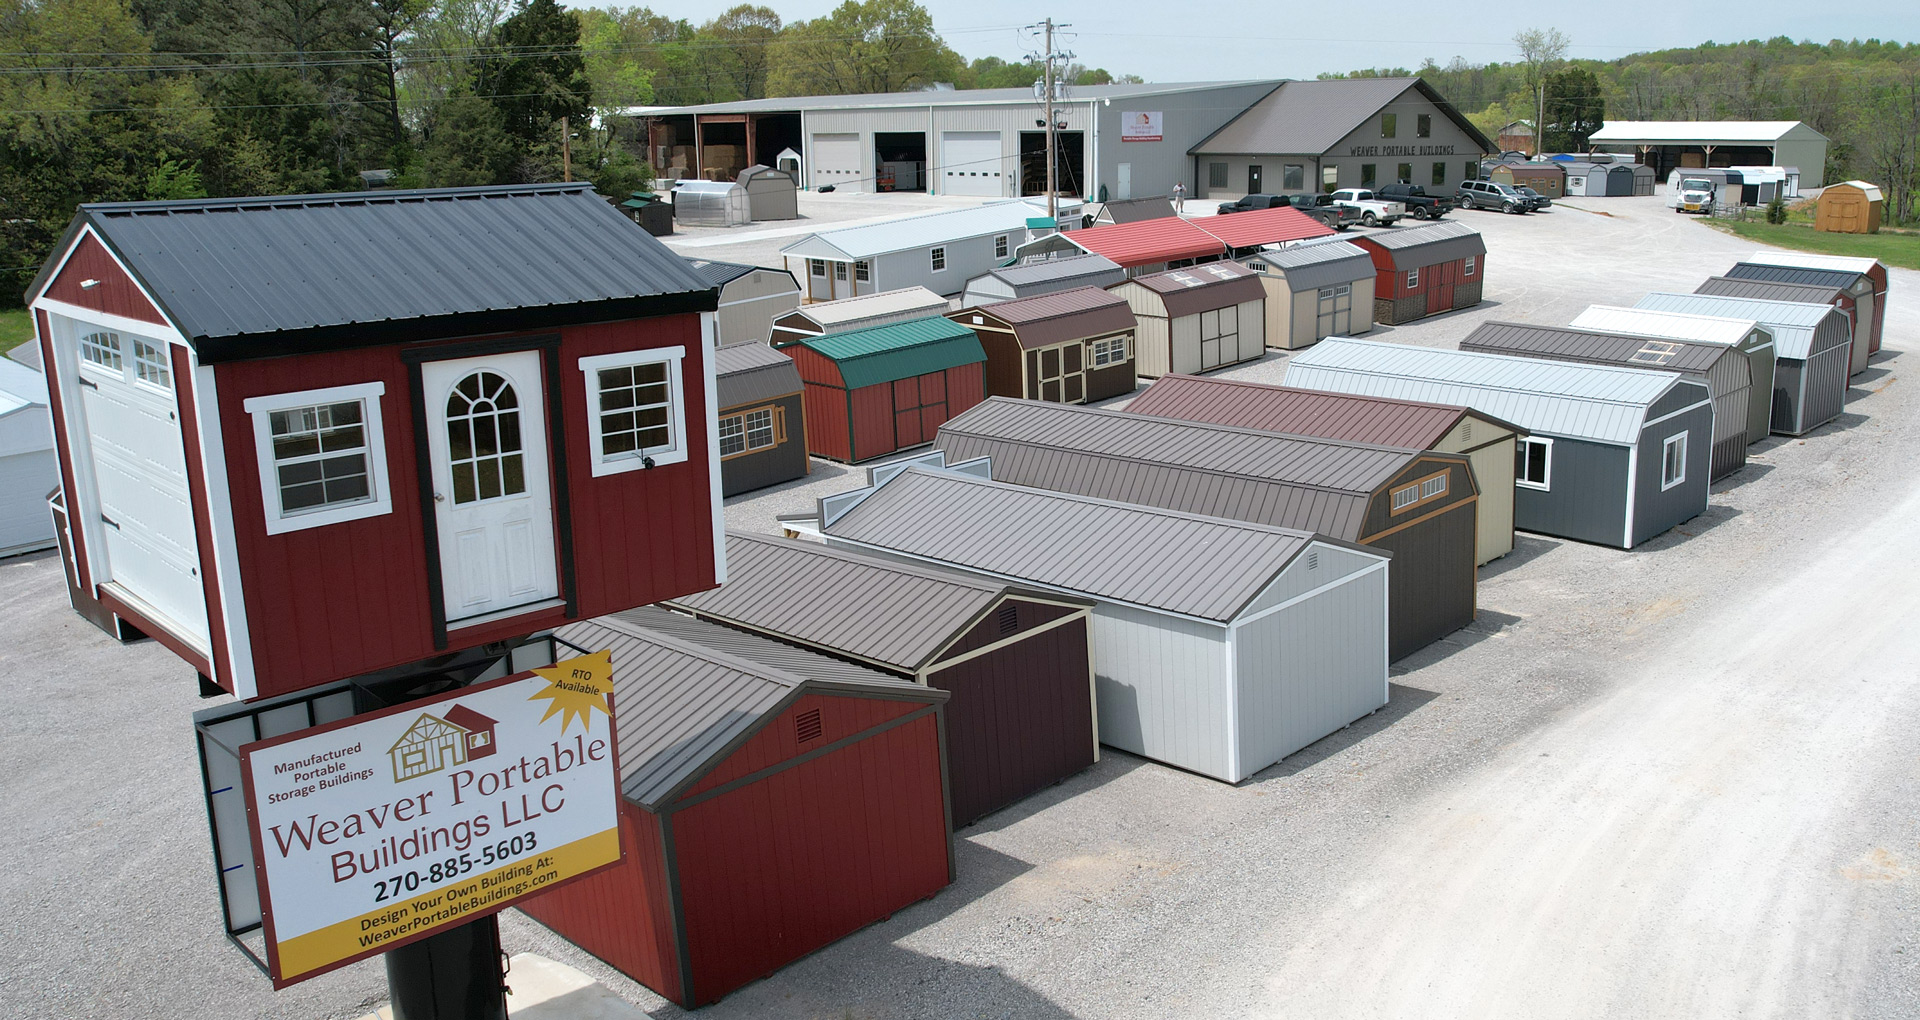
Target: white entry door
(139,466)
(971,164)
(493,497)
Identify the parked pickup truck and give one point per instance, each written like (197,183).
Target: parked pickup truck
(1373,211)
(1422,205)
(1320,207)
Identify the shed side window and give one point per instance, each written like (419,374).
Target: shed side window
(636,409)
(733,435)
(863,271)
(1000,246)
(938,256)
(760,430)
(1468,270)
(1413,279)
(757,429)
(1673,461)
(1107,351)
(1533,463)
(817,267)
(322,456)
(1428,488)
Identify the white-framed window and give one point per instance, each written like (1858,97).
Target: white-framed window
(840,271)
(1468,271)
(1107,351)
(1413,279)
(1000,246)
(817,267)
(863,271)
(938,256)
(322,456)
(1673,461)
(636,409)
(1533,463)
(102,348)
(150,364)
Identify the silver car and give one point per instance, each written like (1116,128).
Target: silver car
(1490,195)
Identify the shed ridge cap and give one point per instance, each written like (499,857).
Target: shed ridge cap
(830,552)
(1030,492)
(1123,414)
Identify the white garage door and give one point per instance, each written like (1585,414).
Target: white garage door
(836,161)
(140,474)
(971,164)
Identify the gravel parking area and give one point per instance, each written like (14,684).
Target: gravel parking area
(1677,781)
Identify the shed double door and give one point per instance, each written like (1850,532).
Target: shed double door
(919,409)
(1057,374)
(1440,287)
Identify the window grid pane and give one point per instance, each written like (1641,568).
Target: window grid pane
(320,455)
(760,429)
(733,436)
(634,405)
(102,349)
(483,439)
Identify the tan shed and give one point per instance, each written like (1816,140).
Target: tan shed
(1851,207)
(1315,291)
(1196,319)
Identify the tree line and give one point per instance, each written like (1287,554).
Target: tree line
(123,100)
(1863,95)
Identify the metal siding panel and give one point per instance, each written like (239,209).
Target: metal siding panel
(1310,669)
(1659,511)
(1823,394)
(622,915)
(1162,689)
(1588,501)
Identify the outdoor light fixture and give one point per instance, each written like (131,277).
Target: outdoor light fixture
(89,284)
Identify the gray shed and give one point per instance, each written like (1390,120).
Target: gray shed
(762,410)
(1314,291)
(771,194)
(1629,179)
(1197,319)
(1588,179)
(1745,335)
(1418,504)
(1037,276)
(28,467)
(1724,369)
(710,204)
(1219,647)
(1614,456)
(1811,345)
(1132,210)
(751,297)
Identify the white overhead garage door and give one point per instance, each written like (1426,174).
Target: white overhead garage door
(836,161)
(971,164)
(139,472)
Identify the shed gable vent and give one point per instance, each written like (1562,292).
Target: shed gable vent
(1656,352)
(1009,618)
(806,725)
(1313,560)
(1466,431)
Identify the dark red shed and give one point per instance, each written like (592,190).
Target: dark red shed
(1018,661)
(873,391)
(774,800)
(1425,270)
(313,437)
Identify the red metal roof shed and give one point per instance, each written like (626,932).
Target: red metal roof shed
(1148,242)
(1264,226)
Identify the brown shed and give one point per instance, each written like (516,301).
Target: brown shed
(1197,319)
(1549,179)
(1070,347)
(1850,207)
(1017,661)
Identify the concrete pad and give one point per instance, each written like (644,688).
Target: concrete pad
(543,989)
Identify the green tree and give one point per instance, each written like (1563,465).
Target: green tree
(741,42)
(534,73)
(864,46)
(1575,108)
(469,146)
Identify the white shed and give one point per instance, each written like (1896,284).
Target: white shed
(28,468)
(1197,319)
(1220,647)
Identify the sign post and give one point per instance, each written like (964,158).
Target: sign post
(377,831)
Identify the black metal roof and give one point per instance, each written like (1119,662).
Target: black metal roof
(259,277)
(719,274)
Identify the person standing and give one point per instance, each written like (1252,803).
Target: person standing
(1179,197)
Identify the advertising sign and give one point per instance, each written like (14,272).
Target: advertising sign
(378,830)
(1140,126)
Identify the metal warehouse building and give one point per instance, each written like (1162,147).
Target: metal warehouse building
(1613,456)
(1219,646)
(1744,335)
(1018,662)
(1811,344)
(734,750)
(1120,140)
(1417,504)
(1667,145)
(1487,442)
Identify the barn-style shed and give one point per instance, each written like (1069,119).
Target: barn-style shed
(1641,176)
(1865,279)
(1546,178)
(1315,291)
(1811,345)
(1614,456)
(1017,661)
(1487,442)
(763,423)
(1196,319)
(1850,207)
(1070,347)
(1417,504)
(1425,270)
(1219,646)
(1744,335)
(1037,276)
(772,194)
(751,297)
(872,391)
(457,450)
(772,802)
(1834,291)
(29,467)
(854,313)
(1724,370)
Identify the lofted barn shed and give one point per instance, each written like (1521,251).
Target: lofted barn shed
(1196,319)
(763,420)
(1811,344)
(1864,279)
(1425,270)
(1315,291)
(751,298)
(1746,336)
(1070,347)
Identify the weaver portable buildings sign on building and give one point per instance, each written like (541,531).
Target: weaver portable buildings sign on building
(378,830)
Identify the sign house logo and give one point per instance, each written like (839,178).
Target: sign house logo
(434,743)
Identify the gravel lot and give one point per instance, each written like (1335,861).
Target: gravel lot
(1672,782)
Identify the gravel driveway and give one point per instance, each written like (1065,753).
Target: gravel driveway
(1677,781)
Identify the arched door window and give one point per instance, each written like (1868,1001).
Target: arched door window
(483,439)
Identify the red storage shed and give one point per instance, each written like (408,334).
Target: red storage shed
(773,801)
(1425,270)
(313,437)
(873,391)
(1018,661)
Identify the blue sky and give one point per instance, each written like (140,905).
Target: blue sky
(1163,41)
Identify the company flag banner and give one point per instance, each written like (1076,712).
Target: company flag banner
(378,830)
(1140,126)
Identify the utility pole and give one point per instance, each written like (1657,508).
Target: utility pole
(1540,117)
(566,150)
(1048,56)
